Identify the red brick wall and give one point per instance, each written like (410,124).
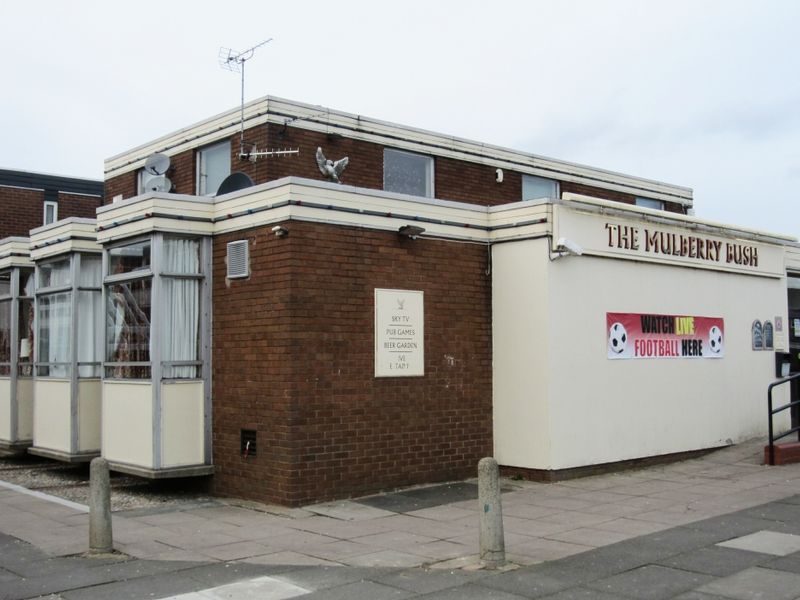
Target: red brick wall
(453,179)
(23,209)
(76,205)
(293,359)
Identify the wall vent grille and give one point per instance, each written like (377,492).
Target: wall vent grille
(238,259)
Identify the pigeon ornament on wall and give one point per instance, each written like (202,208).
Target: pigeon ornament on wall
(331,170)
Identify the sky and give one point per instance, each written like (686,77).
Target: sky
(700,93)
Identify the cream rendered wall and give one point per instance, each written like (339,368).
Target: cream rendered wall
(127,417)
(51,414)
(521,375)
(25,408)
(5,409)
(89,409)
(182,437)
(609,410)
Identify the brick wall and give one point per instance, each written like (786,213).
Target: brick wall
(453,179)
(23,209)
(293,359)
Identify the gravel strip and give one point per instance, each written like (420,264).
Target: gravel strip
(71,482)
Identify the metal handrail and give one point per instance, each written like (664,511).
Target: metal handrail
(773,412)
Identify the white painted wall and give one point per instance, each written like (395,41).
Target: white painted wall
(609,410)
(521,371)
(127,418)
(51,414)
(559,402)
(89,409)
(5,410)
(25,408)
(182,437)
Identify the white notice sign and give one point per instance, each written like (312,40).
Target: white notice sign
(399,333)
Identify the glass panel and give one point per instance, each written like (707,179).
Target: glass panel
(54,334)
(128,327)
(650,203)
(54,274)
(125,259)
(5,337)
(25,337)
(534,187)
(215,165)
(181,256)
(182,300)
(27,282)
(89,320)
(407,173)
(5,283)
(91,267)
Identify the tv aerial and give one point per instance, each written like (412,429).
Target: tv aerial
(235,61)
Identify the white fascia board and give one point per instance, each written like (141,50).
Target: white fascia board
(70,235)
(149,212)
(318,118)
(630,211)
(15,252)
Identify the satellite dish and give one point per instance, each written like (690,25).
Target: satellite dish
(157,164)
(159,184)
(233,182)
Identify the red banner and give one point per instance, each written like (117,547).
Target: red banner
(632,335)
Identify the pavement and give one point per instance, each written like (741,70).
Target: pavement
(719,526)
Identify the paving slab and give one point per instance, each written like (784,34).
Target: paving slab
(756,583)
(767,542)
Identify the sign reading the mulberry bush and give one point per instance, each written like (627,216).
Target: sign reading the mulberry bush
(632,335)
(399,333)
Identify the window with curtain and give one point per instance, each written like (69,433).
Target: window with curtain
(89,308)
(55,311)
(5,336)
(181,307)
(27,283)
(55,274)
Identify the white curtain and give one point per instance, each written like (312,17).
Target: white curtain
(54,332)
(182,306)
(89,315)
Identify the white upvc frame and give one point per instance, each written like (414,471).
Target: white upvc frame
(201,160)
(156,274)
(430,169)
(52,205)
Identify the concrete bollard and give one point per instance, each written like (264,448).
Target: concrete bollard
(100,536)
(492,541)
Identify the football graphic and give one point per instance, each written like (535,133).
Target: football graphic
(715,339)
(617,338)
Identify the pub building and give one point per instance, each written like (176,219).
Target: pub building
(298,327)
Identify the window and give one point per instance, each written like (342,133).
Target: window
(5,323)
(534,187)
(50,212)
(128,329)
(213,165)
(142,179)
(27,281)
(650,203)
(125,259)
(64,308)
(407,173)
(144,320)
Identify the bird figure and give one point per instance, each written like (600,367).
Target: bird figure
(331,169)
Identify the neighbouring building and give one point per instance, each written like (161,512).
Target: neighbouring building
(29,201)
